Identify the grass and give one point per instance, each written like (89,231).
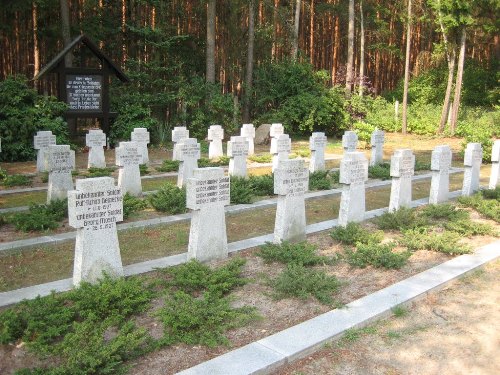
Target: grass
(399,311)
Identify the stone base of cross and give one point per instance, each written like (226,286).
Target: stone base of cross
(440,166)
(353,175)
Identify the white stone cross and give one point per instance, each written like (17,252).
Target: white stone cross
(402,170)
(440,166)
(317,144)
(61,160)
(495,165)
(472,162)
(94,208)
(353,174)
(291,181)
(280,148)
(128,158)
(141,137)
(215,136)
(95,140)
(248,131)
(237,150)
(377,143)
(42,140)
(178,134)
(275,130)
(207,193)
(187,151)
(349,141)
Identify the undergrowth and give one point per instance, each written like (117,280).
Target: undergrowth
(16,180)
(401,219)
(99,172)
(489,208)
(377,255)
(263,158)
(381,171)
(262,185)
(143,169)
(132,205)
(40,217)
(241,191)
(302,253)
(321,180)
(424,239)
(354,233)
(169,166)
(169,198)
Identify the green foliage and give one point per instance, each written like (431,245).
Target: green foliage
(169,166)
(422,165)
(16,180)
(40,217)
(169,198)
(262,185)
(381,171)
(423,239)
(399,311)
(241,190)
(302,253)
(469,228)
(320,180)
(130,116)
(354,233)
(99,172)
(143,169)
(44,177)
(132,204)
(404,218)
(219,162)
(377,255)
(491,193)
(487,207)
(370,113)
(263,158)
(364,131)
(444,211)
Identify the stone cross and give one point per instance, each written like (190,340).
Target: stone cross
(178,134)
(377,143)
(215,136)
(495,165)
(95,140)
(207,193)
(353,174)
(128,157)
(276,130)
(248,131)
(440,166)
(402,170)
(42,140)
(61,160)
(349,141)
(94,208)
(317,144)
(472,163)
(237,150)
(280,148)
(141,137)
(291,181)
(187,151)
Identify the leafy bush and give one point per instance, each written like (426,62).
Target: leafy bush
(293,253)
(354,233)
(262,185)
(422,165)
(404,218)
(319,180)
(364,131)
(381,171)
(40,217)
(133,115)
(491,193)
(263,158)
(423,239)
(169,166)
(469,228)
(16,180)
(143,169)
(443,211)
(169,198)
(487,207)
(241,190)
(219,162)
(132,205)
(377,255)
(99,172)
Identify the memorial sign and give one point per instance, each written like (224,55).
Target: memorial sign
(84,92)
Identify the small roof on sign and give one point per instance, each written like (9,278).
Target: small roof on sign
(51,66)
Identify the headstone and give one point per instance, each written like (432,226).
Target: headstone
(276,130)
(495,165)
(207,194)
(128,158)
(187,151)
(440,166)
(94,208)
(262,134)
(178,134)
(215,136)
(61,162)
(353,174)
(349,141)
(291,181)
(248,131)
(141,137)
(472,163)
(42,140)
(377,143)
(95,140)
(280,148)
(402,170)
(237,150)
(317,145)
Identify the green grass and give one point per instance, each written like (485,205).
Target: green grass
(399,311)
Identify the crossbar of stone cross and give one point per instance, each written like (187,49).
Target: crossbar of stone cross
(281,146)
(178,134)
(248,131)
(402,170)
(440,167)
(291,181)
(215,136)
(377,143)
(42,140)
(237,150)
(61,160)
(94,208)
(473,159)
(349,141)
(141,137)
(353,175)
(276,130)
(95,140)
(207,193)
(495,165)
(128,158)
(317,144)
(187,151)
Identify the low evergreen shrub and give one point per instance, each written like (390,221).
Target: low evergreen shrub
(241,191)
(169,166)
(40,217)
(169,198)
(302,253)
(262,185)
(262,158)
(380,171)
(423,239)
(404,218)
(132,204)
(143,169)
(319,180)
(443,211)
(376,255)
(99,172)
(489,208)
(354,233)
(16,180)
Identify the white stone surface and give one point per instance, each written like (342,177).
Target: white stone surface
(495,165)
(94,208)
(207,194)
(42,140)
(281,146)
(187,151)
(350,141)
(317,145)
(276,130)
(215,136)
(402,170)
(291,181)
(440,166)
(237,150)
(95,140)
(61,160)
(353,175)
(178,134)
(128,158)
(472,163)
(248,131)
(141,137)
(377,143)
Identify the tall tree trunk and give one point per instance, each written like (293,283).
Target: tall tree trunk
(311,34)
(361,50)
(274,50)
(447,96)
(350,51)
(407,70)
(458,82)
(36,49)
(68,59)
(123,28)
(295,34)
(249,72)
(211,41)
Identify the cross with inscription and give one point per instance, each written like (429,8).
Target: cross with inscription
(61,160)
(248,131)
(440,166)
(215,136)
(377,143)
(402,170)
(317,144)
(281,146)
(128,157)
(42,140)
(495,165)
(472,162)
(237,150)
(95,140)
(349,141)
(141,137)
(178,134)
(187,151)
(353,175)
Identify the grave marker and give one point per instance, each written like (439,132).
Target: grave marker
(42,140)
(280,148)
(207,194)
(248,131)
(215,136)
(349,141)
(94,208)
(275,130)
(237,150)
(440,166)
(495,165)
(178,134)
(61,160)
(472,163)
(141,137)
(377,143)
(317,144)
(128,157)
(187,151)
(353,174)
(95,141)
(402,170)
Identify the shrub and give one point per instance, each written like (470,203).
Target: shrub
(263,158)
(262,185)
(292,253)
(487,207)
(354,233)
(130,116)
(422,165)
(241,190)
(364,131)
(219,162)
(40,217)
(404,218)
(143,169)
(319,180)
(381,171)
(132,204)
(169,166)
(469,228)
(169,198)
(377,255)
(422,239)
(99,172)
(444,211)
(491,193)
(16,180)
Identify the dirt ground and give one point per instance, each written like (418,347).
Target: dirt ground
(452,332)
